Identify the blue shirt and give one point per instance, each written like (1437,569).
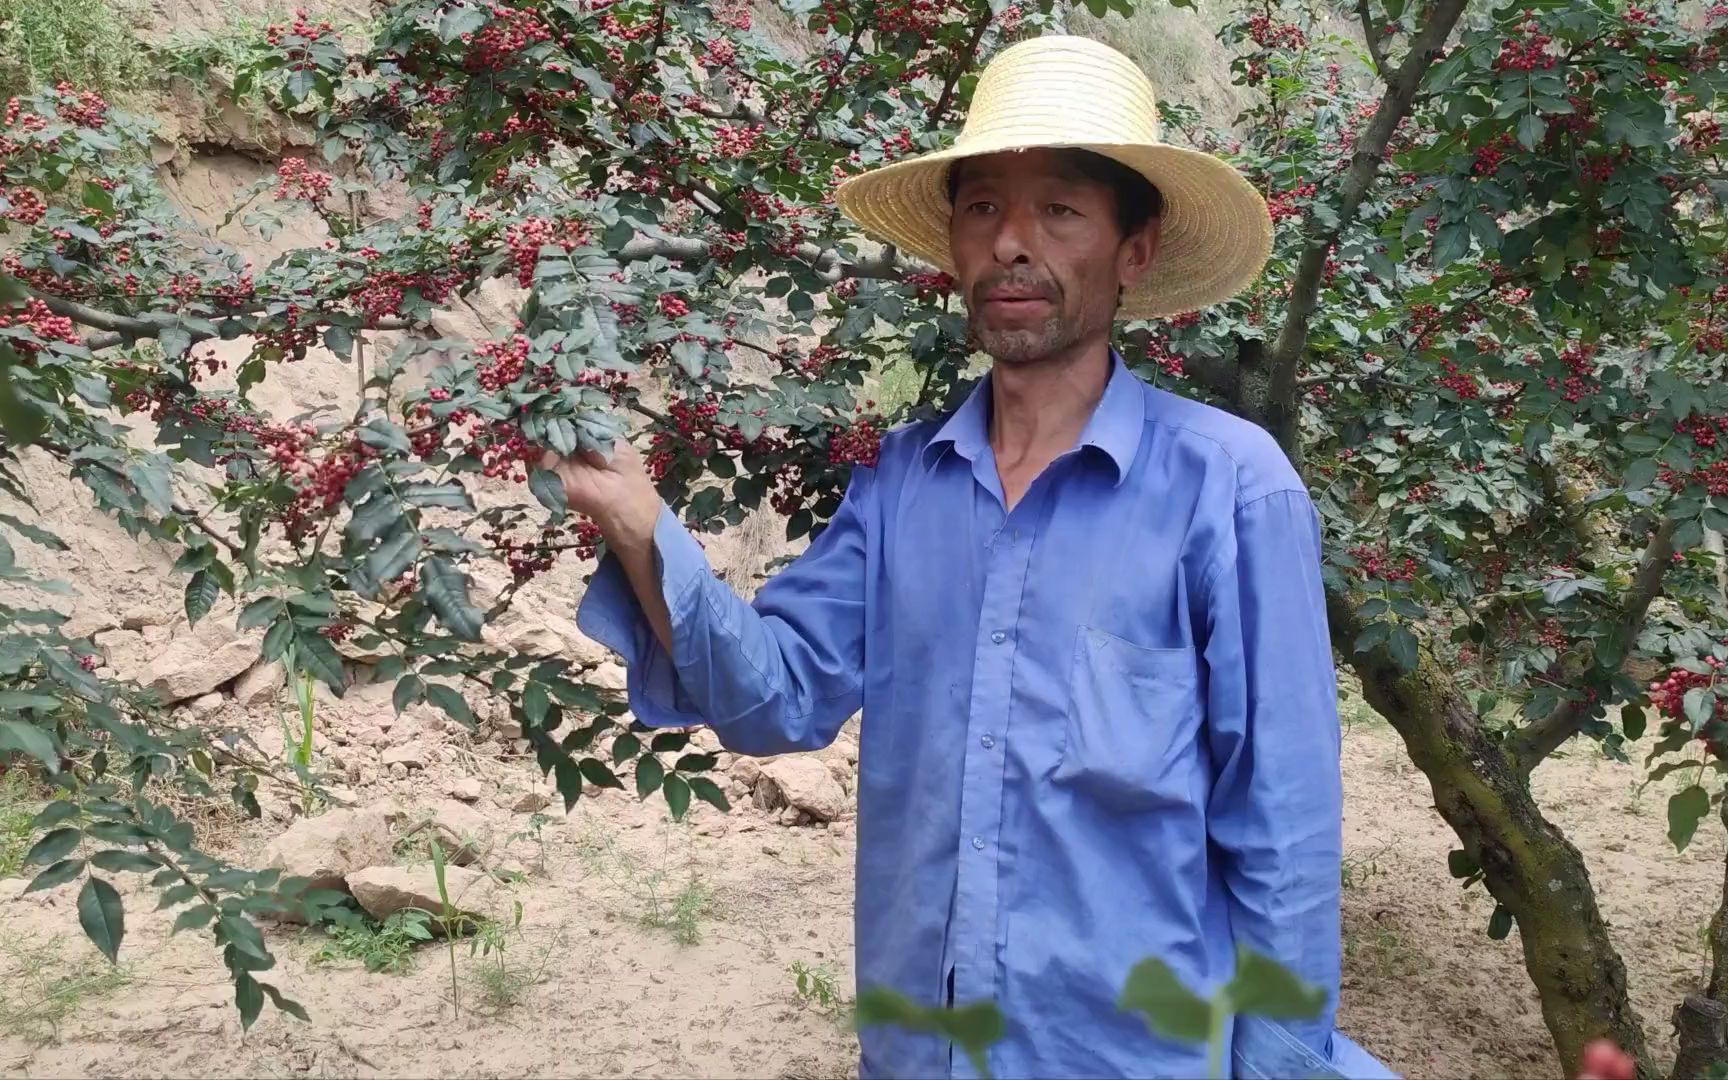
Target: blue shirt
(1097,727)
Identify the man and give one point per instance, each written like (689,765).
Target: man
(1083,618)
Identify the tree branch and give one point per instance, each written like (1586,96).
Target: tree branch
(830,264)
(962,64)
(1376,42)
(833,83)
(120,328)
(1530,746)
(1364,163)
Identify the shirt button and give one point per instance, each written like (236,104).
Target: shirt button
(986,741)
(978,842)
(999,637)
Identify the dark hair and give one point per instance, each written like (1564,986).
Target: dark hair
(1137,200)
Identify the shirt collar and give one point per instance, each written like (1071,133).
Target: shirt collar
(1113,428)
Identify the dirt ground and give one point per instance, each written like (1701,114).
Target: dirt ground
(652,949)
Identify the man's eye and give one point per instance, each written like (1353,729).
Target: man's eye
(1060,210)
(981,207)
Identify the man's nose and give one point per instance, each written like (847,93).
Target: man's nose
(1014,237)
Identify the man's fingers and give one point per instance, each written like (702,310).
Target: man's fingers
(1602,1060)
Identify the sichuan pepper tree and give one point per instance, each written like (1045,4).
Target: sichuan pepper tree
(1489,336)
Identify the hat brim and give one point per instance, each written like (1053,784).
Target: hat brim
(1214,237)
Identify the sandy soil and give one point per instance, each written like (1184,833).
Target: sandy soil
(613,992)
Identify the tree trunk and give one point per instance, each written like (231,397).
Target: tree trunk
(1528,864)
(1702,1019)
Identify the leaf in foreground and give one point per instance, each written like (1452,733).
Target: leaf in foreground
(972,1027)
(101,916)
(1171,1009)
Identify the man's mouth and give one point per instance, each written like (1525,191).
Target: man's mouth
(1015,300)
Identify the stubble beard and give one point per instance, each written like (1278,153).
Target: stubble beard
(1023,345)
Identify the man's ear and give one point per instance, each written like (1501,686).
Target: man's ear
(1134,257)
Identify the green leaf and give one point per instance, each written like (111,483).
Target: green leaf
(1402,645)
(396,553)
(30,739)
(1700,705)
(201,593)
(1262,987)
(248,998)
(446,590)
(340,340)
(535,703)
(568,779)
(124,861)
(287,1005)
(58,874)
(549,490)
(1639,475)
(1500,923)
(709,792)
(314,653)
(1459,863)
(596,773)
(1685,810)
(259,612)
(150,477)
(102,916)
(53,847)
(193,918)
(649,774)
(677,792)
(1172,1010)
(451,702)
(54,813)
(1632,722)
(450,494)
(1531,128)
(625,747)
(410,688)
(973,1026)
(34,533)
(16,700)
(669,742)
(22,420)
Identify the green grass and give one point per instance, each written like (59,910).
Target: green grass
(675,904)
(40,985)
(18,805)
(88,43)
(386,946)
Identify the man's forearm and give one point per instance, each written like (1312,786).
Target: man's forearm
(637,557)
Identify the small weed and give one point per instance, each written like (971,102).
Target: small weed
(501,979)
(40,987)
(386,946)
(1357,870)
(18,806)
(90,45)
(817,989)
(535,834)
(1381,949)
(659,904)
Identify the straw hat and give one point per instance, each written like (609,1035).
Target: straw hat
(1062,91)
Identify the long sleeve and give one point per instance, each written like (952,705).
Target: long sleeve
(778,674)
(1276,805)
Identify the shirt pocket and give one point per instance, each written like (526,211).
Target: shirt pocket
(1133,715)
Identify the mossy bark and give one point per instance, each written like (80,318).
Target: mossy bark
(1701,1020)
(1528,864)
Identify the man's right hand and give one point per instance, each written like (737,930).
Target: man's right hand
(616,494)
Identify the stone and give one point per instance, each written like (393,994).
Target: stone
(141,616)
(467,789)
(802,782)
(329,847)
(199,662)
(608,676)
(524,802)
(462,831)
(258,684)
(125,650)
(206,706)
(385,890)
(413,755)
(747,770)
(398,771)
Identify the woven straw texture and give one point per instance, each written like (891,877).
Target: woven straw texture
(1062,91)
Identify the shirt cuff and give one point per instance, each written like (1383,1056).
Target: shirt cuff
(608,613)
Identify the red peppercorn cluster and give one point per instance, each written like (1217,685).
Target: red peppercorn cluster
(84,108)
(337,632)
(1459,382)
(500,363)
(856,443)
(733,13)
(1158,351)
(930,284)
(25,206)
(672,306)
(510,30)
(717,53)
(40,321)
(817,359)
(1282,204)
(88,661)
(299,55)
(1552,635)
(296,181)
(525,238)
(1668,694)
(1702,134)
(1491,153)
(1269,34)
(736,140)
(1372,562)
(1527,52)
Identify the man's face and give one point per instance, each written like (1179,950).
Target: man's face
(1039,254)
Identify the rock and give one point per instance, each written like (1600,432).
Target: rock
(124,650)
(385,890)
(840,771)
(331,846)
(703,740)
(199,662)
(802,782)
(206,706)
(12,888)
(413,755)
(87,622)
(258,684)
(398,771)
(467,789)
(462,831)
(608,676)
(526,802)
(747,770)
(141,616)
